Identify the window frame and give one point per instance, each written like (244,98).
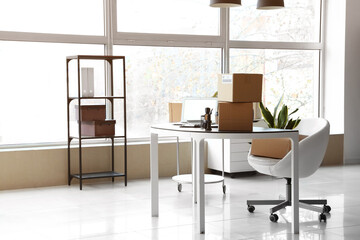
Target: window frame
(113,37)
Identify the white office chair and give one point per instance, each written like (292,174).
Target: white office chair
(311,153)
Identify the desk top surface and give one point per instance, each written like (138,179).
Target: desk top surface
(177,128)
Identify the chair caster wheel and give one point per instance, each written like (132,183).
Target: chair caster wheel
(224,188)
(251,208)
(327,208)
(322,217)
(179,187)
(274,217)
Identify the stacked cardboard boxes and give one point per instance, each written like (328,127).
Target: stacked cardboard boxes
(236,94)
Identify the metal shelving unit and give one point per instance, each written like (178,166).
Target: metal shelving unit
(110,97)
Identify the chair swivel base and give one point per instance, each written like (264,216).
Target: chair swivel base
(281,204)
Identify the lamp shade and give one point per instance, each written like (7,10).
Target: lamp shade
(270,4)
(225,3)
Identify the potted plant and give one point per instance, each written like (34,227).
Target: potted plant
(282,120)
(275,148)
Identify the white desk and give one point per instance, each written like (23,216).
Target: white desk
(198,136)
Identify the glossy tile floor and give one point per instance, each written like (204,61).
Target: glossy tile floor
(105,211)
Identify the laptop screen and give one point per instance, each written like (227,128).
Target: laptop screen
(193,108)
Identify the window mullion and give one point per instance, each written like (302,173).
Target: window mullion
(51,37)
(276,45)
(108,21)
(225,31)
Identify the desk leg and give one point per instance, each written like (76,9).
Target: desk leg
(193,160)
(295,184)
(154,174)
(200,184)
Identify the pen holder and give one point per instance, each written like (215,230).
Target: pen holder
(202,122)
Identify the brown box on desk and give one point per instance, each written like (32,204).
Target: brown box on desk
(235,116)
(91,112)
(272,147)
(240,87)
(98,128)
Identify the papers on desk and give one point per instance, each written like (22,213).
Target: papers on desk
(192,125)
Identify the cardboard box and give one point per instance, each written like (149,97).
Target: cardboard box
(98,128)
(272,147)
(240,87)
(175,112)
(235,116)
(91,112)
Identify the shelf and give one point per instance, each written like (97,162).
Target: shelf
(95,137)
(98,175)
(107,131)
(187,178)
(100,97)
(94,57)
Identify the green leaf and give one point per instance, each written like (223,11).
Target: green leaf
(294,111)
(277,106)
(297,122)
(290,124)
(215,94)
(269,119)
(282,117)
(282,120)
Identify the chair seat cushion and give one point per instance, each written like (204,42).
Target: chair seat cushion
(262,164)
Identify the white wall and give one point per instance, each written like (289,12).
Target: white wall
(342,73)
(334,47)
(352,83)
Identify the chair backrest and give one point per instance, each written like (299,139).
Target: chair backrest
(311,149)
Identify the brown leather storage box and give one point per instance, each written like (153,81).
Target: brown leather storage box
(91,112)
(98,128)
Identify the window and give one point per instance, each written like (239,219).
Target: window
(33,90)
(173,49)
(291,73)
(159,75)
(167,16)
(84,17)
(299,21)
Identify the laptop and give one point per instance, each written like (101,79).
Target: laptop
(193,108)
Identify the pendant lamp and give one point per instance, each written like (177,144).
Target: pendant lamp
(270,4)
(225,3)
